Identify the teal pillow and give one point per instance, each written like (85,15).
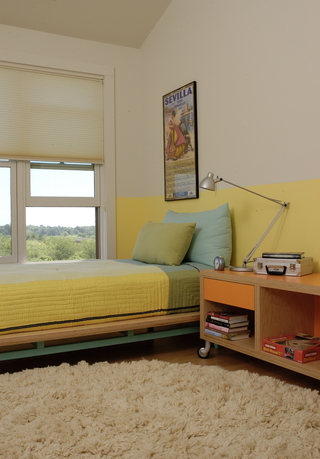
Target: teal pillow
(163,243)
(212,236)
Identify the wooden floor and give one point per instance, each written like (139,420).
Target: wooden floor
(180,349)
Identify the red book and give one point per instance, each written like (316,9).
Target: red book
(225,329)
(227,316)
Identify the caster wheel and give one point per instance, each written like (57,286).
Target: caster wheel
(203,353)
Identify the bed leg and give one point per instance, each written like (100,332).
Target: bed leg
(38,345)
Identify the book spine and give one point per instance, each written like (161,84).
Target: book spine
(217,327)
(212,320)
(218,334)
(218,316)
(220,319)
(232,337)
(215,333)
(227,318)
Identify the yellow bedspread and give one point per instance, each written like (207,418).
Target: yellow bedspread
(41,296)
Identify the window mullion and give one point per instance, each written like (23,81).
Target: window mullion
(21,211)
(13,212)
(36,201)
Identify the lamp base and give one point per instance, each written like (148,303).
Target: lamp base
(240,268)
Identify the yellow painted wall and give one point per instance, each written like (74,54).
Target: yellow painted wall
(296,230)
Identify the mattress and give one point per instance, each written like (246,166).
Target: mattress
(51,295)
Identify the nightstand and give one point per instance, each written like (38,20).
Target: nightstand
(276,305)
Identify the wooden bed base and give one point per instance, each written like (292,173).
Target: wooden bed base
(44,342)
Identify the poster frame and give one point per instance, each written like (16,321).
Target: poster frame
(180,143)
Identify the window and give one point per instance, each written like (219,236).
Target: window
(61,213)
(62,207)
(61,179)
(61,233)
(63,198)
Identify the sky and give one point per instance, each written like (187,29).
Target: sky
(51,183)
(61,216)
(5,214)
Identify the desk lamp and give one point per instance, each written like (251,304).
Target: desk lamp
(209,183)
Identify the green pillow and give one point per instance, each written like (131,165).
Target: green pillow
(212,236)
(163,243)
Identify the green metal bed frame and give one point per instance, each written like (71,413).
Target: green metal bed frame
(183,324)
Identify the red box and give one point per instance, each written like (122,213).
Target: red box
(301,347)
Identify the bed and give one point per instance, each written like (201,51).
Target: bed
(54,307)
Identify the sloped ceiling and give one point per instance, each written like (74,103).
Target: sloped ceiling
(117,22)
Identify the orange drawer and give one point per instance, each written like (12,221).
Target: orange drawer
(240,295)
(316,331)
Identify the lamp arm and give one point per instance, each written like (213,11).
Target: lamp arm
(209,184)
(253,192)
(245,261)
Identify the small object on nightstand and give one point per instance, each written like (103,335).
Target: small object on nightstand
(285,255)
(283,266)
(219,264)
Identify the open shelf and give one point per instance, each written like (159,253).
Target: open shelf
(276,305)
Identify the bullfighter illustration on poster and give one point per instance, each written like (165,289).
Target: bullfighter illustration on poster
(180,143)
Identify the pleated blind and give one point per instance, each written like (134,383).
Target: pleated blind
(50,116)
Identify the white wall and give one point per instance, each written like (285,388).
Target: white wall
(257,67)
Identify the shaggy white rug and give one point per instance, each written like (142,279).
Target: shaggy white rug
(153,409)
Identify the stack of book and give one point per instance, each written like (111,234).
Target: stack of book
(228,325)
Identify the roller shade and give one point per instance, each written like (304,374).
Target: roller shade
(47,116)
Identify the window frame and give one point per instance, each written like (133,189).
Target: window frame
(50,201)
(56,201)
(21,199)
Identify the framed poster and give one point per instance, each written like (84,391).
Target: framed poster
(180,143)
